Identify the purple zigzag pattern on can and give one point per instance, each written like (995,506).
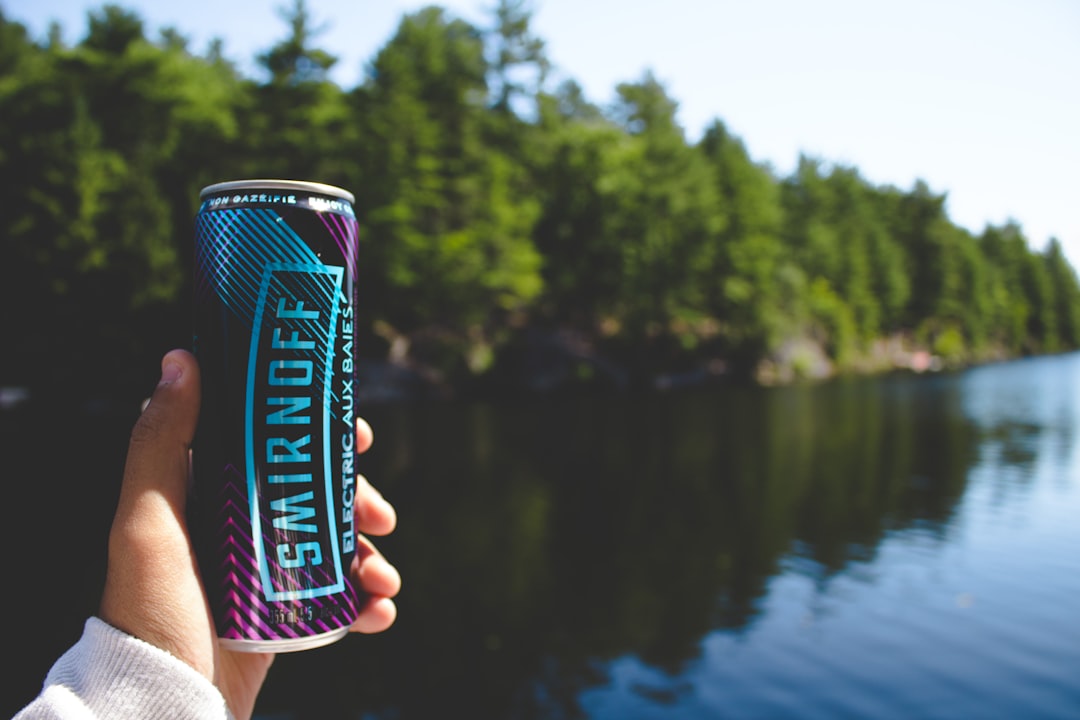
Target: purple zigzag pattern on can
(345,232)
(243,611)
(247,616)
(332,611)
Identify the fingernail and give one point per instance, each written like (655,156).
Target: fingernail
(170,373)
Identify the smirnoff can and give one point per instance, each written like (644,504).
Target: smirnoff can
(271,509)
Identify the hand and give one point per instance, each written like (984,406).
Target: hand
(152,587)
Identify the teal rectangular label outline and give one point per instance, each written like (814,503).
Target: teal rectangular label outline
(269,592)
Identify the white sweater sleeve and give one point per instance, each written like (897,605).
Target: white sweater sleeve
(110,674)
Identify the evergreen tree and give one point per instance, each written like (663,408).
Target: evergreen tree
(295,122)
(519,65)
(447,227)
(662,212)
(576,151)
(1006,250)
(747,277)
(486,201)
(1066,294)
(98,212)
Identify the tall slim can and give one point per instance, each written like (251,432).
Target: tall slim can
(271,509)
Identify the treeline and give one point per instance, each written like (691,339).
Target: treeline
(492,207)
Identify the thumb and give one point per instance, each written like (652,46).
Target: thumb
(151,584)
(157,460)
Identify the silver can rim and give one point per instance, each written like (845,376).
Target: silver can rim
(278,184)
(281,645)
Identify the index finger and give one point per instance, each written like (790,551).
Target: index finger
(364,435)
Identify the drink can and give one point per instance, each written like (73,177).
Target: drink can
(271,507)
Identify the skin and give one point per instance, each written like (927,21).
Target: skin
(153,589)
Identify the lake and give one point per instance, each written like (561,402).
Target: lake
(892,547)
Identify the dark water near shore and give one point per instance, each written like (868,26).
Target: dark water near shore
(901,547)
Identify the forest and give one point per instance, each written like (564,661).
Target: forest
(513,234)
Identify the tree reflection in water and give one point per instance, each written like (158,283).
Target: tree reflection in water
(540,540)
(543,542)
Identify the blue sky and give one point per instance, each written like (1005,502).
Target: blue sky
(979,98)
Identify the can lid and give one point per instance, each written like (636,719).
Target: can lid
(275,184)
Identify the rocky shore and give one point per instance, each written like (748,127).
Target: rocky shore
(538,362)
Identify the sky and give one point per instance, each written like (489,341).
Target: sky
(978,98)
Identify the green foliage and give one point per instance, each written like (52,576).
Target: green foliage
(949,345)
(577,150)
(1006,252)
(743,277)
(487,201)
(835,226)
(446,217)
(519,65)
(832,320)
(1066,294)
(293,61)
(660,212)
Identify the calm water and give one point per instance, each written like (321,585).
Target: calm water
(906,547)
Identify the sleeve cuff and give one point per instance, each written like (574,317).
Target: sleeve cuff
(109,673)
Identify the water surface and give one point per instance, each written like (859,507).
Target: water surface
(899,547)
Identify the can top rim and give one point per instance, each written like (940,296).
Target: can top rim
(277,184)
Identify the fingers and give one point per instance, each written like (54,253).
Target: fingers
(376,578)
(377,615)
(374,574)
(374,515)
(379,581)
(364,435)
